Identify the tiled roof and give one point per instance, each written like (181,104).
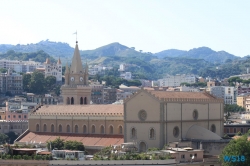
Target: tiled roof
(182,95)
(86,139)
(82,109)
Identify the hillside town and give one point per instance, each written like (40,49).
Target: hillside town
(182,117)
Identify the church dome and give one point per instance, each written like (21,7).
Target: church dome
(198,132)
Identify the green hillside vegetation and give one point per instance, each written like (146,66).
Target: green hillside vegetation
(39,56)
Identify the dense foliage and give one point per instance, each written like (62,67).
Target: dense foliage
(60,144)
(237,147)
(10,137)
(233,108)
(38,84)
(38,56)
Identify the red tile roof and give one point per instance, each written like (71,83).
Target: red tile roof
(86,139)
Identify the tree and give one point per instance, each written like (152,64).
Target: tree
(37,83)
(239,148)
(12,136)
(74,145)
(26,82)
(233,80)
(58,143)
(233,108)
(2,70)
(57,90)
(3,138)
(50,81)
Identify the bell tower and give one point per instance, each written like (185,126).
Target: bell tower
(76,90)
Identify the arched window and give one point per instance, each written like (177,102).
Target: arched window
(84,129)
(37,127)
(111,129)
(133,133)
(142,147)
(152,133)
(72,100)
(68,129)
(102,129)
(52,128)
(120,129)
(76,128)
(44,128)
(68,101)
(81,100)
(60,128)
(93,129)
(213,128)
(85,100)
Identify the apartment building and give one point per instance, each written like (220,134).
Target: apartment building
(11,82)
(176,80)
(20,66)
(229,94)
(53,69)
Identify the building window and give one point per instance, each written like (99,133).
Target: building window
(25,116)
(195,114)
(235,130)
(19,116)
(14,116)
(182,156)
(227,131)
(60,128)
(44,128)
(176,131)
(8,116)
(152,133)
(213,128)
(120,129)
(102,129)
(52,128)
(93,129)
(142,115)
(133,133)
(84,129)
(111,129)
(68,129)
(76,128)
(242,130)
(37,127)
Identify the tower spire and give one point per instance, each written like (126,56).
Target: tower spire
(76,65)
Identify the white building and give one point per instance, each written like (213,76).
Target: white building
(126,75)
(123,67)
(227,93)
(176,80)
(53,69)
(20,66)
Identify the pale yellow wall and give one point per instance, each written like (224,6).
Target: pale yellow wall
(142,133)
(143,102)
(172,114)
(80,121)
(240,101)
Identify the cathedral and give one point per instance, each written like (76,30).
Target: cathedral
(149,118)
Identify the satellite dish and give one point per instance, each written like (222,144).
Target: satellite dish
(192,157)
(116,151)
(112,151)
(122,146)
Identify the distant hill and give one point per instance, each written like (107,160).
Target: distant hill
(55,49)
(201,61)
(198,53)
(39,56)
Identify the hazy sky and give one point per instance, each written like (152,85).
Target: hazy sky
(148,25)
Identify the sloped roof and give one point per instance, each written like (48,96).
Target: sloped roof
(76,65)
(198,132)
(108,109)
(183,95)
(86,139)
